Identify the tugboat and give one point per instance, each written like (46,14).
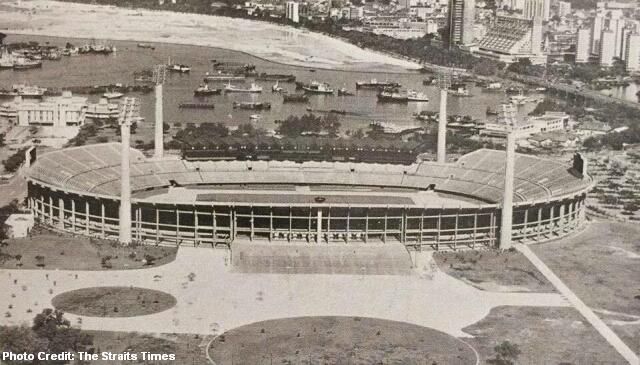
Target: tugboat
(377,85)
(413,95)
(295,98)
(344,92)
(389,96)
(318,88)
(204,90)
(235,89)
(276,88)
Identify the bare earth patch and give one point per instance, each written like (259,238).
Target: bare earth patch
(67,252)
(113,301)
(493,270)
(544,335)
(601,266)
(338,340)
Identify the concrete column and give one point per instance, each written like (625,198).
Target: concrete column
(102,218)
(159,138)
(319,226)
(562,220)
(60,213)
(50,210)
(507,200)
(125,186)
(252,226)
(582,211)
(87,217)
(42,214)
(73,215)
(442,128)
(157,226)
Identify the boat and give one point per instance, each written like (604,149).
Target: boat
(413,95)
(177,67)
(388,96)
(426,116)
(318,88)
(344,92)
(295,98)
(109,95)
(518,99)
(28,91)
(276,77)
(377,85)
(235,89)
(491,111)
(205,90)
(254,117)
(541,89)
(146,46)
(26,64)
(493,86)
(386,127)
(252,105)
(196,106)
(459,90)
(276,88)
(223,76)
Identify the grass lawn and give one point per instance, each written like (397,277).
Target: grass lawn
(544,335)
(493,270)
(338,340)
(602,266)
(67,252)
(113,301)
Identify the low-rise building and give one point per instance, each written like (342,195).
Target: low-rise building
(550,121)
(59,111)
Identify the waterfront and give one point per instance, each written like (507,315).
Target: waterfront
(363,108)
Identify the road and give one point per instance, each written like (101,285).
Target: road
(16,188)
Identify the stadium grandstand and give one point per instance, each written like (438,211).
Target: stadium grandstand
(509,39)
(424,204)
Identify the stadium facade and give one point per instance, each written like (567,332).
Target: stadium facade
(426,204)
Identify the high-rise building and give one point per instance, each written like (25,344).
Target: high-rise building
(461,19)
(583,45)
(596,32)
(607,47)
(293,11)
(632,56)
(536,9)
(564,8)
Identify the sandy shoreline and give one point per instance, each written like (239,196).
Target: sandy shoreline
(265,40)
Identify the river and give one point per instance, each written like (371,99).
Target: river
(363,108)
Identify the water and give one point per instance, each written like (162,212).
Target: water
(85,70)
(625,92)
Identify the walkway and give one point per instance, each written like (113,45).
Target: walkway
(578,304)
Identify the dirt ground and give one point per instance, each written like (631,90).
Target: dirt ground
(493,270)
(602,266)
(338,340)
(544,335)
(67,252)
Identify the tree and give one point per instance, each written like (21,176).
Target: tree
(56,332)
(506,353)
(14,161)
(19,340)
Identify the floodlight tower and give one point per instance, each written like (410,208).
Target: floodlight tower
(128,113)
(159,76)
(444,81)
(509,119)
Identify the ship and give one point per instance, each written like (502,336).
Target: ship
(276,88)
(252,105)
(318,88)
(295,98)
(205,90)
(25,91)
(413,95)
(103,110)
(276,77)
(26,64)
(491,111)
(223,76)
(110,95)
(344,92)
(177,67)
(518,99)
(493,86)
(196,106)
(236,89)
(459,90)
(388,96)
(377,85)
(146,46)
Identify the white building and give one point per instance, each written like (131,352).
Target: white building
(293,11)
(583,45)
(550,121)
(632,56)
(607,48)
(564,8)
(60,111)
(536,9)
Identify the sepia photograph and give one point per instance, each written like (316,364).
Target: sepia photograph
(319,182)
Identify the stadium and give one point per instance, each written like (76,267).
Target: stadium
(422,205)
